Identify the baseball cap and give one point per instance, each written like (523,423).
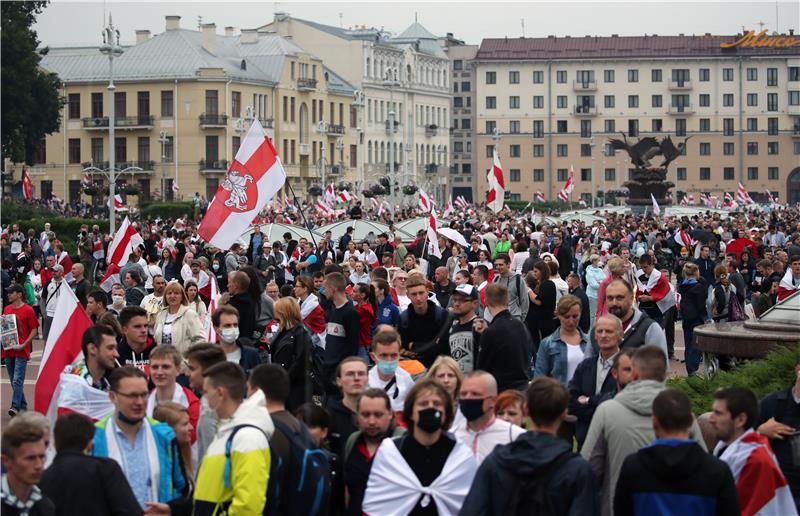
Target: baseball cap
(58,268)
(16,287)
(466,290)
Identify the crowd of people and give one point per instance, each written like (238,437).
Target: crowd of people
(522,373)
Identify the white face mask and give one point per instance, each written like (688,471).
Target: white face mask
(230,334)
(118,300)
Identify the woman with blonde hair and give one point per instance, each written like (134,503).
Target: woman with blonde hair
(291,348)
(560,352)
(176,323)
(447,372)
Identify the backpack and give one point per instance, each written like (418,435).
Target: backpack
(529,496)
(735,311)
(307,484)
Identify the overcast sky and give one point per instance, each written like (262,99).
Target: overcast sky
(65,23)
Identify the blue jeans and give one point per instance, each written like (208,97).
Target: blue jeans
(692,355)
(16,372)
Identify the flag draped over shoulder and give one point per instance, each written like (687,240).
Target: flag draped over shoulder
(253,179)
(787,286)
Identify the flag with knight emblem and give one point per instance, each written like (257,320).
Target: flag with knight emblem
(253,179)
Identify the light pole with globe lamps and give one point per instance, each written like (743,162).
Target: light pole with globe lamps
(112,49)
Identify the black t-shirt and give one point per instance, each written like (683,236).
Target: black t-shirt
(427,462)
(443,293)
(784,409)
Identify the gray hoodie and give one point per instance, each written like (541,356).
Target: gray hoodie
(620,427)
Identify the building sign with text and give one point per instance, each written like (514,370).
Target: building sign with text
(761,39)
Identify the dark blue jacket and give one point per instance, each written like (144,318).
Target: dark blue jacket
(674,476)
(571,490)
(249,359)
(583,383)
(706,269)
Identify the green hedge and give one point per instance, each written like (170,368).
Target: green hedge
(65,228)
(165,210)
(541,206)
(14,211)
(775,372)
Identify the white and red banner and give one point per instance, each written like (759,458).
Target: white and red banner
(27,185)
(691,199)
(657,287)
(684,201)
(569,186)
(344,196)
(330,194)
(656,207)
(706,200)
(111,277)
(461,202)
(684,239)
(126,239)
(448,207)
(433,239)
(324,208)
(742,195)
(497,185)
(254,177)
(582,202)
(425,203)
(63,347)
(770,198)
(538,196)
(118,204)
(788,285)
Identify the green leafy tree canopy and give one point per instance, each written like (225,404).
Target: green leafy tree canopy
(31,100)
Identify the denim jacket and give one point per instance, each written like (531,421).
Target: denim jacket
(551,360)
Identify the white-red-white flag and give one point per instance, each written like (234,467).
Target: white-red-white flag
(425,203)
(691,199)
(742,195)
(656,207)
(344,196)
(211,335)
(538,196)
(582,202)
(126,239)
(27,185)
(569,186)
(175,187)
(705,199)
(254,177)
(448,207)
(770,198)
(433,239)
(330,194)
(324,208)
(118,204)
(497,185)
(684,201)
(462,202)
(62,348)
(111,277)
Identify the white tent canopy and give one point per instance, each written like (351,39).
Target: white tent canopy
(361,228)
(273,232)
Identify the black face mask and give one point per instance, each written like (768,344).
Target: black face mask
(430,420)
(125,419)
(472,409)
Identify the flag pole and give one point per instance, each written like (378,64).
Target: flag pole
(302,213)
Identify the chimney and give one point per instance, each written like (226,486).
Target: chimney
(229,31)
(210,37)
(173,22)
(142,36)
(791,32)
(248,36)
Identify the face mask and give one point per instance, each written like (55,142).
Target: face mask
(430,420)
(387,367)
(118,300)
(230,334)
(125,419)
(215,266)
(472,409)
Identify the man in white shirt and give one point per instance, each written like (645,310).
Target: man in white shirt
(152,302)
(483,431)
(386,374)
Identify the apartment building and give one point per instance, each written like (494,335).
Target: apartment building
(408,75)
(556,101)
(462,128)
(183,100)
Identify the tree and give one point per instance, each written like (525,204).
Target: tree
(31,101)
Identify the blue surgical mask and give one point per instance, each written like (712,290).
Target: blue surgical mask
(387,367)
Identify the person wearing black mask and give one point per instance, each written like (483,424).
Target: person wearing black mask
(426,471)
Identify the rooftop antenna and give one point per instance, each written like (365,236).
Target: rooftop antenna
(416,20)
(340,19)
(199,23)
(760,26)
(776,17)
(523,27)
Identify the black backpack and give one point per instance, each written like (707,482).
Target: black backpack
(529,496)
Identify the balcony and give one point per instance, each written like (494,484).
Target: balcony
(793,110)
(584,85)
(144,165)
(305,149)
(213,120)
(102,165)
(334,130)
(431,168)
(267,123)
(584,111)
(212,166)
(396,167)
(681,109)
(396,125)
(128,123)
(336,170)
(680,85)
(431,130)
(796,134)
(306,84)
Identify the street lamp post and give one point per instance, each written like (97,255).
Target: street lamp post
(391,82)
(358,103)
(112,49)
(322,129)
(163,139)
(594,181)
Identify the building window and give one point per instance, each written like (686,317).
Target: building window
(561,101)
(633,101)
(705,125)
(796,148)
(97,150)
(794,98)
(728,148)
(727,173)
(236,104)
(609,126)
(752,173)
(514,151)
(727,99)
(513,77)
(752,124)
(458,147)
(610,174)
(212,102)
(561,126)
(74,150)
(772,126)
(167,109)
(772,173)
(143,148)
(562,174)
(681,173)
(752,74)
(772,101)
(705,174)
(513,127)
(538,102)
(515,175)
(655,75)
(143,104)
(608,75)
(608,101)
(562,150)
(538,175)
(458,64)
(212,148)
(608,150)
(491,77)
(705,100)
(586,150)
(656,101)
(457,103)
(586,174)
(491,125)
(491,102)
(466,168)
(466,86)
(633,128)
(490,151)
(236,142)
(561,76)
(121,149)
(752,148)
(705,148)
(680,127)
(538,150)
(120,104)
(633,75)
(513,102)
(538,128)
(727,74)
(538,77)
(727,126)
(74,101)
(772,75)
(705,75)
(169,150)
(97,105)
(586,128)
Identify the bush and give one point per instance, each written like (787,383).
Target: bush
(15,211)
(65,228)
(165,210)
(773,373)
(540,206)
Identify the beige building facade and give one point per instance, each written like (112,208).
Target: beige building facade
(555,102)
